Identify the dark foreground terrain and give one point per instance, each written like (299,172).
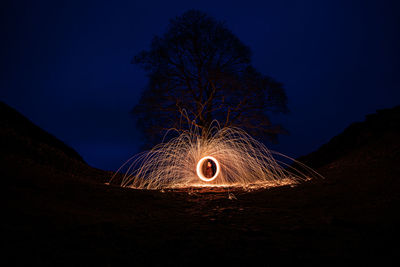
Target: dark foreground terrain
(58,211)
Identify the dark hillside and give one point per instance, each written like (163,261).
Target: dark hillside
(381,127)
(15,127)
(25,147)
(59,212)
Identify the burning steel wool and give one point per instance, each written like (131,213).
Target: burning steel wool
(226,157)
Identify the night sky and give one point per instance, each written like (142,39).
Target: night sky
(66,64)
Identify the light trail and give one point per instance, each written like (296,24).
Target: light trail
(239,160)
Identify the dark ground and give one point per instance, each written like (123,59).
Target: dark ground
(64,214)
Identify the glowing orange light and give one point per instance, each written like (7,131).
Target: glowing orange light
(199,167)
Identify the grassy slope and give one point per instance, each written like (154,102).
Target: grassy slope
(55,217)
(26,148)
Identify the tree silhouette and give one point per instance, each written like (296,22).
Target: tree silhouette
(199,71)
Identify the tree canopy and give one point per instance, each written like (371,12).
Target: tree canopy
(199,71)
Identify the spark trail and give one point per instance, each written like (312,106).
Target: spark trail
(242,161)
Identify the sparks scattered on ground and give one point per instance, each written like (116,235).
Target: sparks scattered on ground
(228,157)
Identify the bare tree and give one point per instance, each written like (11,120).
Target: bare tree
(199,71)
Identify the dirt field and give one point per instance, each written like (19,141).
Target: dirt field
(55,221)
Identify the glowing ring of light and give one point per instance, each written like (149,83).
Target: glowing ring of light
(200,173)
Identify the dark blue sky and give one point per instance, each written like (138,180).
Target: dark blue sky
(66,64)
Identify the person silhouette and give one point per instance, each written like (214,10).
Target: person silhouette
(209,170)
